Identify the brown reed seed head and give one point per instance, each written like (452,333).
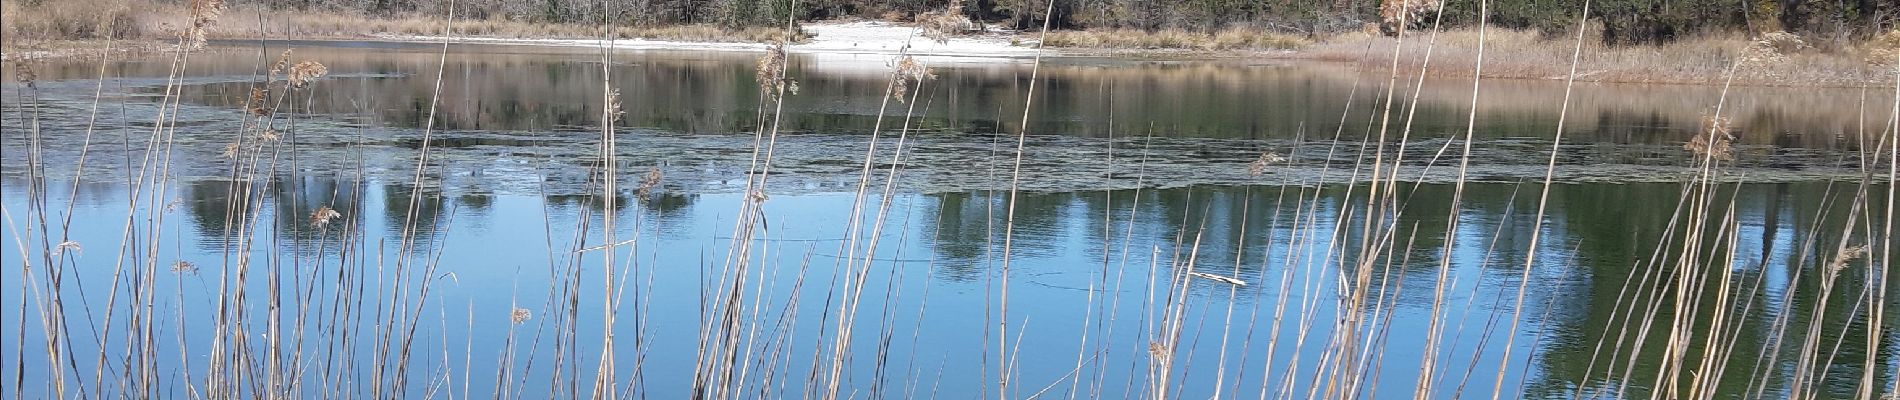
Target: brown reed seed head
(771,73)
(305,72)
(908,69)
(322,216)
(1847,255)
(767,73)
(260,96)
(204,14)
(648,182)
(283,62)
(520,315)
(1715,139)
(613,106)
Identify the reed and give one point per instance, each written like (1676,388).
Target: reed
(1696,59)
(301,297)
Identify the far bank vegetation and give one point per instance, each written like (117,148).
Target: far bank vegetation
(1825,42)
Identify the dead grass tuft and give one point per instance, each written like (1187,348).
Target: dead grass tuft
(1773,48)
(941,25)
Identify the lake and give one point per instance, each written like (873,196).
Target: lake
(1229,228)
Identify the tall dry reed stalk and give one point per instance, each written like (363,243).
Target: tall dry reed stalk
(347,321)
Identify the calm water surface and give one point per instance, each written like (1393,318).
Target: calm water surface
(1134,173)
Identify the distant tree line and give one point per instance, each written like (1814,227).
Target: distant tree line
(1622,21)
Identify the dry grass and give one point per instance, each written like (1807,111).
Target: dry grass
(1883,49)
(943,24)
(54,25)
(1229,39)
(343,25)
(328,25)
(71,19)
(1509,53)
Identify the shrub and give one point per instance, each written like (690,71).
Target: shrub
(1773,48)
(1884,48)
(943,24)
(1413,14)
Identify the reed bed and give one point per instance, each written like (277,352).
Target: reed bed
(349,316)
(1700,59)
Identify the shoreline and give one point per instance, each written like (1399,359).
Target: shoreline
(877,38)
(856,38)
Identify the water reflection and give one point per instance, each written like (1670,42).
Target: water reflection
(1598,277)
(510,202)
(521,88)
(218,209)
(515,119)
